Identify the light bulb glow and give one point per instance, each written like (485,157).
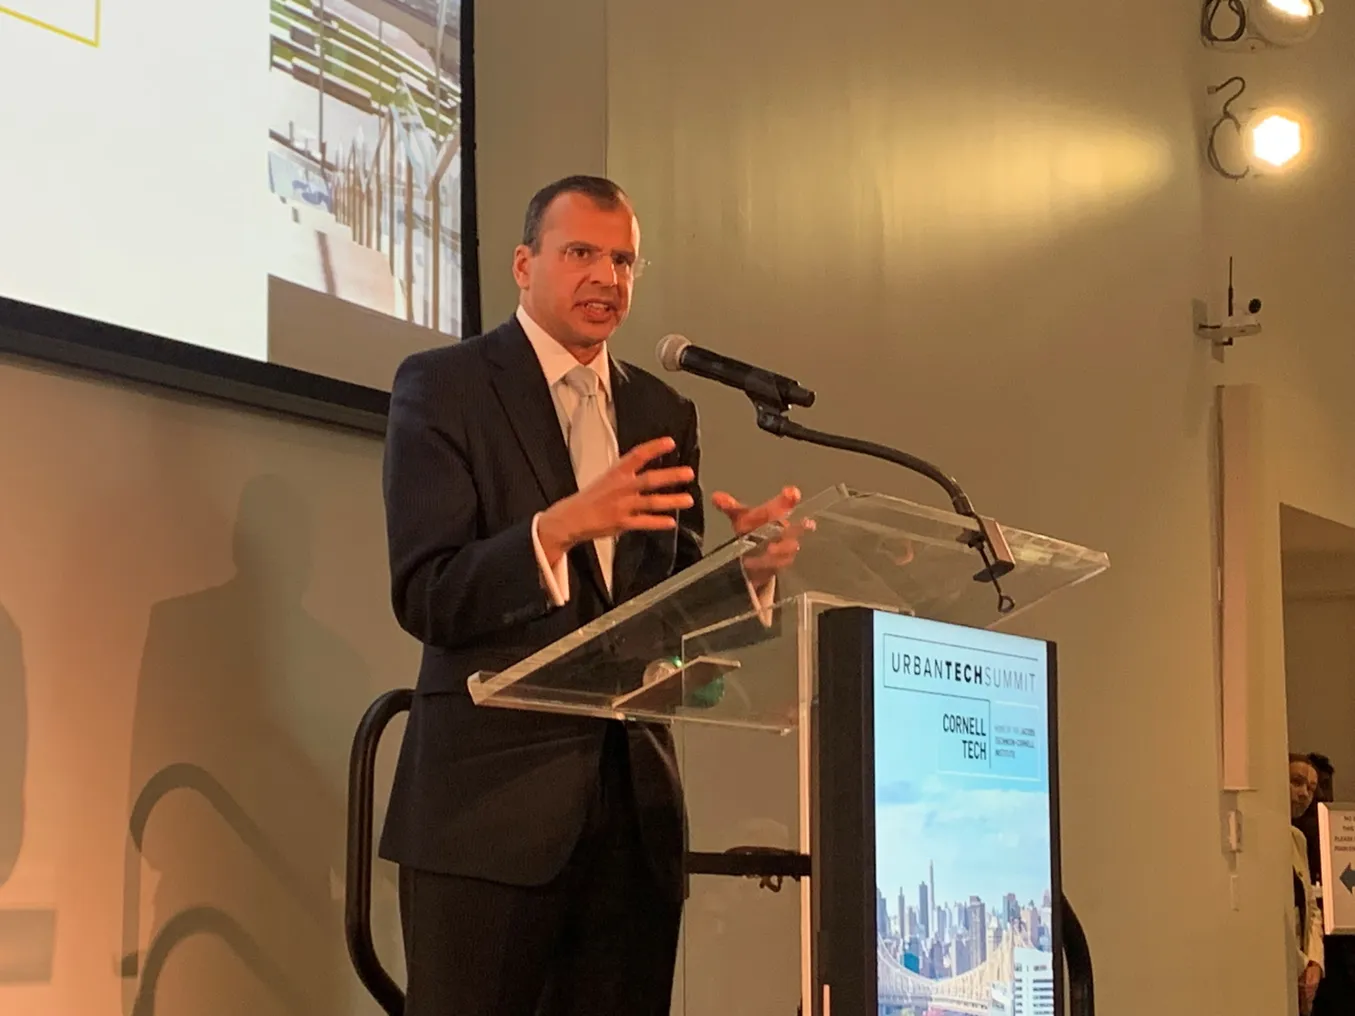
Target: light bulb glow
(1292,8)
(1277,140)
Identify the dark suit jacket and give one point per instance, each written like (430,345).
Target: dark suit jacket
(474,450)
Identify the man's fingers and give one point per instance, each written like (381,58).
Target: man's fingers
(727,503)
(776,508)
(784,502)
(649,522)
(748,519)
(637,457)
(676,476)
(665,502)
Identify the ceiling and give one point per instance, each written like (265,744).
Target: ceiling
(1304,533)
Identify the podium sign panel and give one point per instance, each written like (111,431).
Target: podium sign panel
(936,854)
(721,656)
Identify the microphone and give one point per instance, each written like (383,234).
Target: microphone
(676,353)
(774,394)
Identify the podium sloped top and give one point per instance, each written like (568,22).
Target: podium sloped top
(698,647)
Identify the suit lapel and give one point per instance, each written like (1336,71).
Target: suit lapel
(521,387)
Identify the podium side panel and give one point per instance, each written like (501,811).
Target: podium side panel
(843,883)
(740,949)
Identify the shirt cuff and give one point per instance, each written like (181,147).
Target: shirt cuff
(763,599)
(555,580)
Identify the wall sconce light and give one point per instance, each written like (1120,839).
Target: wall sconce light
(1262,141)
(1260,24)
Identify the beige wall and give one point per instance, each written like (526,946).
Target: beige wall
(975,230)
(1290,238)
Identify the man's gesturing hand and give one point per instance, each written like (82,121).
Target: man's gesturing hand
(763,563)
(627,496)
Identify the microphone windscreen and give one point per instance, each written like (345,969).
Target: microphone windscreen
(670,351)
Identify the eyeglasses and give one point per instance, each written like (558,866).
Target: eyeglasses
(583,256)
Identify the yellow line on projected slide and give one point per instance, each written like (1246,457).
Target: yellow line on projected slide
(65,33)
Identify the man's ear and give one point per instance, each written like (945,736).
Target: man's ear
(522,255)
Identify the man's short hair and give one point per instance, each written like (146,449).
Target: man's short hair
(1298,756)
(603,193)
(1321,763)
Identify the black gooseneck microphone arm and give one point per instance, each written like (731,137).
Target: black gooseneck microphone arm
(988,540)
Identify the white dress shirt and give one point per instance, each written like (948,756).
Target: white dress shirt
(556,361)
(1309,924)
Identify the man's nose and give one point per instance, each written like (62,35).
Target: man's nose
(604,272)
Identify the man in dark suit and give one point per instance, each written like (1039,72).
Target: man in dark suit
(532,483)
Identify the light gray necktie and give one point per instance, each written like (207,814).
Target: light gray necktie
(590,446)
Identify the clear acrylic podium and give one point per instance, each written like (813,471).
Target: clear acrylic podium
(700,654)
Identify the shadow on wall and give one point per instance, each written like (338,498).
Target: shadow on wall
(13,744)
(236,841)
(27,936)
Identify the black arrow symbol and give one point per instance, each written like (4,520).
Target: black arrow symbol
(1348,879)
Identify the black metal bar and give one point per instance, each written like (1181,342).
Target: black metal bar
(987,539)
(750,862)
(1078,954)
(357,915)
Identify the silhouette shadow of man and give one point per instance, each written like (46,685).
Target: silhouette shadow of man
(245,707)
(13,744)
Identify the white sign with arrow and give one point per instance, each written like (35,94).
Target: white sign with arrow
(1336,828)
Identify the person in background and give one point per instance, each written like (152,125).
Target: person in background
(1307,822)
(1307,913)
(1336,993)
